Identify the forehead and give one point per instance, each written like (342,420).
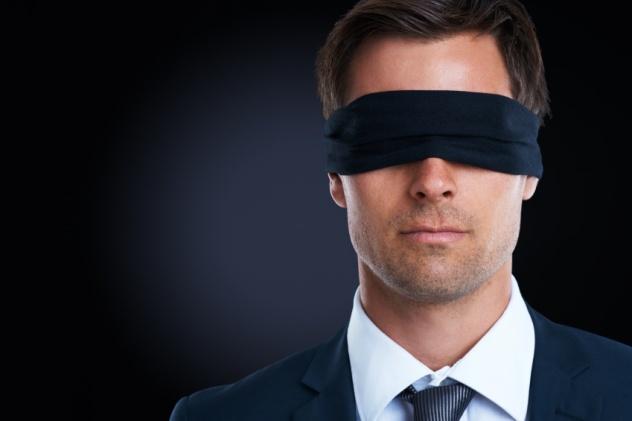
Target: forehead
(467,61)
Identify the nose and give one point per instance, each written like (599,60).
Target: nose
(433,180)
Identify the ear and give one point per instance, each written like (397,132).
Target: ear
(336,189)
(529,187)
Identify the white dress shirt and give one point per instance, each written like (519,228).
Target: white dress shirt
(498,368)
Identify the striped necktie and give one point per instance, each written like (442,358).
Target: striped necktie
(439,403)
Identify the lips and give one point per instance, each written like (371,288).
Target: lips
(435,235)
(444,234)
(428,228)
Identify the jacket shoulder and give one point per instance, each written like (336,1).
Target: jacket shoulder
(271,392)
(610,361)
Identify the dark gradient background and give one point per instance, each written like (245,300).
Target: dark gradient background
(198,241)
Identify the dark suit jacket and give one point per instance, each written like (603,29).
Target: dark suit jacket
(576,375)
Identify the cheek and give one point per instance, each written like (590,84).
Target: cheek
(362,213)
(504,220)
(373,196)
(493,213)
(502,198)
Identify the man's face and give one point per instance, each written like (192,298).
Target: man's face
(382,204)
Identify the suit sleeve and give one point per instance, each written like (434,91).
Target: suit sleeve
(180,411)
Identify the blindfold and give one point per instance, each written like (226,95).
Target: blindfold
(387,128)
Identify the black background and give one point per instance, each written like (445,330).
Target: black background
(187,250)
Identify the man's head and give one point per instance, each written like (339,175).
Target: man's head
(432,45)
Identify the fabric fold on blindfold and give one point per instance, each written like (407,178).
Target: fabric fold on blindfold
(386,128)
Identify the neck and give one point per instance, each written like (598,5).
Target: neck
(437,335)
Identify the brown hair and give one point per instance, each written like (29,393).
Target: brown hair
(507,20)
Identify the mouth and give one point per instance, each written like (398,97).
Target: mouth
(434,235)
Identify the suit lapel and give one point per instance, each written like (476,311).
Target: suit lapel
(557,390)
(329,376)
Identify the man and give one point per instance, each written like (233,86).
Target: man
(438,329)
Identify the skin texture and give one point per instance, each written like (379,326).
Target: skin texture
(435,300)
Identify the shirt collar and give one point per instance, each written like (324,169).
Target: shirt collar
(498,366)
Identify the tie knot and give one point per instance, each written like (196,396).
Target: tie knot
(440,403)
